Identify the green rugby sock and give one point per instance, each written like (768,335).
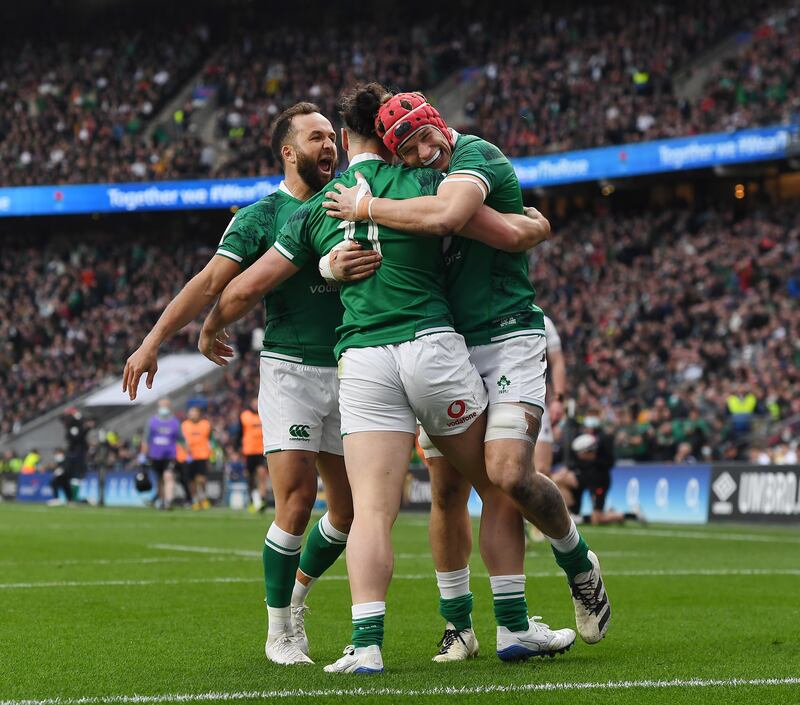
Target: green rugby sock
(575,561)
(510,605)
(457,611)
(323,546)
(281,556)
(455,601)
(368,624)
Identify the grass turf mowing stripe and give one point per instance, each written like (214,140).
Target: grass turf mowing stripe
(700,572)
(411,692)
(180,548)
(710,535)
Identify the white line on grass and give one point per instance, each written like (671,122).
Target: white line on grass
(675,534)
(244,552)
(204,549)
(409,692)
(117,561)
(710,572)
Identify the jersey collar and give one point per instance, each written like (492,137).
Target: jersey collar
(283,187)
(365,157)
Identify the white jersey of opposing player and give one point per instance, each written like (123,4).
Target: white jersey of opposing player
(553,345)
(550,332)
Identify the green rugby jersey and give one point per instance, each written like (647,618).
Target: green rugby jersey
(301,313)
(489,291)
(405,298)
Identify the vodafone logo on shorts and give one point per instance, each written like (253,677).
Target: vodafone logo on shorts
(456,409)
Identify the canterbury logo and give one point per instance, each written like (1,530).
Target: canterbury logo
(299,431)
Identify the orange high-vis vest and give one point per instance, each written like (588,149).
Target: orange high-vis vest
(198,438)
(252,437)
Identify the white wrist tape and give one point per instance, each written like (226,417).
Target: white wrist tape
(325,267)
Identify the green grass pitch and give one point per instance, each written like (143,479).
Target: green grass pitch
(101,606)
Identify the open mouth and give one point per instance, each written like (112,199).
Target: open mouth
(433,159)
(325,165)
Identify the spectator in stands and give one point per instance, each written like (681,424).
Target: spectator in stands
(30,463)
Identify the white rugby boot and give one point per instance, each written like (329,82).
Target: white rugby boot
(592,608)
(456,645)
(538,640)
(299,627)
(366,660)
(284,650)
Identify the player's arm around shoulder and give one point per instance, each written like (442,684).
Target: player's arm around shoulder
(437,215)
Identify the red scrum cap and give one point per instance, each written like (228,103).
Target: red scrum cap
(405,114)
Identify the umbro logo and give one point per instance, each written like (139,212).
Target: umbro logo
(299,431)
(724,486)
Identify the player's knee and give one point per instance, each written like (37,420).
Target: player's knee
(511,476)
(293,509)
(513,422)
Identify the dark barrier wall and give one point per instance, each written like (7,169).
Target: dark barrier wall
(749,493)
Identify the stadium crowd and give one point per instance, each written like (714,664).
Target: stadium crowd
(75,110)
(78,111)
(599,76)
(680,329)
(84,309)
(692,363)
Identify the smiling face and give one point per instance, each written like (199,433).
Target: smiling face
(311,149)
(427,148)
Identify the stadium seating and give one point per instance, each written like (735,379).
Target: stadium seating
(666,316)
(599,76)
(76,111)
(663,353)
(85,309)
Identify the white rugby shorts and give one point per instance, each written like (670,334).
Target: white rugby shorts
(513,370)
(389,387)
(299,407)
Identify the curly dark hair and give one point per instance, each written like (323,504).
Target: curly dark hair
(359,106)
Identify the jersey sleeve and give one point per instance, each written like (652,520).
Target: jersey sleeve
(551,335)
(294,241)
(480,160)
(244,240)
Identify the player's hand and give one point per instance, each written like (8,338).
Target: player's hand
(213,344)
(532,213)
(349,203)
(352,262)
(556,410)
(145,359)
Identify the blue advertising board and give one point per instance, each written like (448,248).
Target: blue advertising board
(659,156)
(134,197)
(617,162)
(34,487)
(120,489)
(676,494)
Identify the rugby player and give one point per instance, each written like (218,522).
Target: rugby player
(298,396)
(493,306)
(399,360)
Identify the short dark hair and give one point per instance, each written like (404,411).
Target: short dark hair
(282,127)
(359,107)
